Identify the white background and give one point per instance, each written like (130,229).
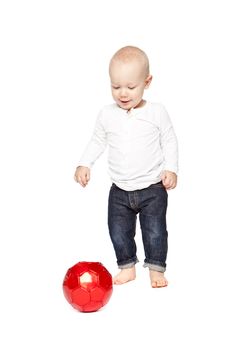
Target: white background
(54,79)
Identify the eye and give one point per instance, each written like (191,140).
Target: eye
(131,87)
(115,87)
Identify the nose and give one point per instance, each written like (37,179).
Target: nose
(123,93)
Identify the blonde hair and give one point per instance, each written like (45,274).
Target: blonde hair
(128,53)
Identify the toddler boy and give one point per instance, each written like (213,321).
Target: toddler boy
(142,160)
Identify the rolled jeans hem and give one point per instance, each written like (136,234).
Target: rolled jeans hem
(128,265)
(155,267)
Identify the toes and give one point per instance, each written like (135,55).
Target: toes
(159,284)
(117,282)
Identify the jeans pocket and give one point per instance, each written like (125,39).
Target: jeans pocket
(113,186)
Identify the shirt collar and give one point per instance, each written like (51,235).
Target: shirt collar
(133,111)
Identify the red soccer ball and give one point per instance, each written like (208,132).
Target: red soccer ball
(87,286)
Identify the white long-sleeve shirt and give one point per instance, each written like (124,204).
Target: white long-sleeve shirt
(142,144)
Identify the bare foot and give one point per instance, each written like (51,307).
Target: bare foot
(157,279)
(125,275)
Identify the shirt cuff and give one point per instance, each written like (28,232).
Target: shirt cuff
(172,168)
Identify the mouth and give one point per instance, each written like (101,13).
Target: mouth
(124,102)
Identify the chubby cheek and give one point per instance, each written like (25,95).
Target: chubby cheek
(114,94)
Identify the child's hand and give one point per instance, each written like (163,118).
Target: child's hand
(169,179)
(82,175)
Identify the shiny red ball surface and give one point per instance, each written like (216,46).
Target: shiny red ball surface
(87,286)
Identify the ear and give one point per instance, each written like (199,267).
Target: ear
(148,81)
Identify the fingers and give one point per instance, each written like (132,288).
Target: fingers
(169,187)
(88,176)
(169,184)
(82,176)
(169,179)
(81,180)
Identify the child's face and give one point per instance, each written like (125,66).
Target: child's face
(128,81)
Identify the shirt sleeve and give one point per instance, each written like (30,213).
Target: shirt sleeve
(169,142)
(96,145)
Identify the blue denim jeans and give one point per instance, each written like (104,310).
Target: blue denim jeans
(151,205)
